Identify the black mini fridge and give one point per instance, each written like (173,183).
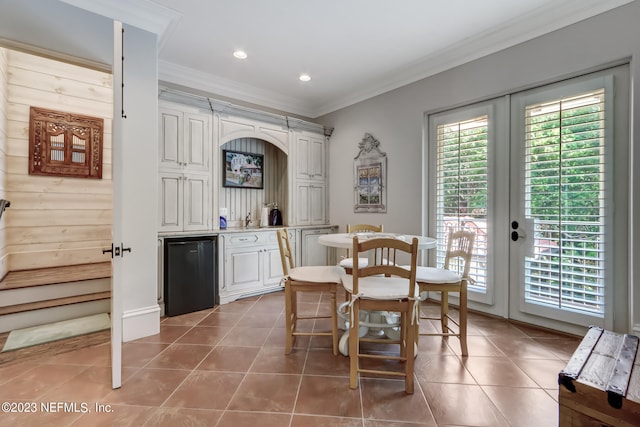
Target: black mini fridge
(190,279)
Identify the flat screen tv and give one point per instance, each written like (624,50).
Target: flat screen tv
(242,170)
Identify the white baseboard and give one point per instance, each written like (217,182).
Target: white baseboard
(636,329)
(140,323)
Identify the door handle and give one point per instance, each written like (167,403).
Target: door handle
(117,250)
(110,251)
(515,226)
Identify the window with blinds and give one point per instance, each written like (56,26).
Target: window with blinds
(461,189)
(564,196)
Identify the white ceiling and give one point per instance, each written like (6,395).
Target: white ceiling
(353,49)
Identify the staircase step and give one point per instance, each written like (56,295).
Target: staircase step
(38,305)
(54,275)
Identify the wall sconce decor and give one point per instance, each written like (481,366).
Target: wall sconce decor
(370,177)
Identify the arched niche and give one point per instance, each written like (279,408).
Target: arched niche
(241,201)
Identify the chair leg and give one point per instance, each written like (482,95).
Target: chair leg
(403,335)
(354,346)
(409,351)
(463,319)
(444,311)
(334,323)
(289,303)
(417,325)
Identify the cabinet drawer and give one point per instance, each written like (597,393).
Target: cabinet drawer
(243,239)
(272,238)
(256,238)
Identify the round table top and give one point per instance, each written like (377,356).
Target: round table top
(345,240)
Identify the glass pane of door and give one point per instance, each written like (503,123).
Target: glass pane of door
(562,231)
(461,189)
(463,157)
(564,197)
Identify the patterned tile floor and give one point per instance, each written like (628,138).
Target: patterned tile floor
(226,367)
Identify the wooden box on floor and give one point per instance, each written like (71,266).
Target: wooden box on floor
(600,386)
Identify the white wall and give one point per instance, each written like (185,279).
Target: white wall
(396,119)
(138,195)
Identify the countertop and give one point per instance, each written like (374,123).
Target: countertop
(232,230)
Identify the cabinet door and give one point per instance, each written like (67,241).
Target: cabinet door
(243,267)
(311,203)
(303,148)
(196,201)
(272,266)
(170,201)
(303,204)
(316,158)
(313,253)
(317,204)
(310,157)
(171,134)
(196,142)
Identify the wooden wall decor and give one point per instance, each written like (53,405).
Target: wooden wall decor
(65,144)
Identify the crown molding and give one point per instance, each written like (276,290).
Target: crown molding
(226,108)
(188,77)
(554,16)
(143,14)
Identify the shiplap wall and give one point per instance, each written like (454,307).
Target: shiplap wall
(3,157)
(241,201)
(54,221)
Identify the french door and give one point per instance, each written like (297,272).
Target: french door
(537,175)
(469,192)
(568,201)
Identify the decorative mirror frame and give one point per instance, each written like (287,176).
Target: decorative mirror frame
(370,177)
(65,144)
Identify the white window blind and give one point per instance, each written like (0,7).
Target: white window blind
(461,189)
(564,196)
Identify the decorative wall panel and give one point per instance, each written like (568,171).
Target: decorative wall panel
(65,144)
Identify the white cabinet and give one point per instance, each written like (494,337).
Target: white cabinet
(311,156)
(310,187)
(184,140)
(184,201)
(311,206)
(250,264)
(184,170)
(311,251)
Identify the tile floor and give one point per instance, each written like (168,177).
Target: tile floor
(226,367)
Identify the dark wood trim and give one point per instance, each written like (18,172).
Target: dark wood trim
(54,275)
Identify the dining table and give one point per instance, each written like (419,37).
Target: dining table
(374,323)
(345,240)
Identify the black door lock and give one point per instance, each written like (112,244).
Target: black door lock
(117,251)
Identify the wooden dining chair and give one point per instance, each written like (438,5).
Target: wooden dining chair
(306,279)
(384,286)
(453,277)
(347,261)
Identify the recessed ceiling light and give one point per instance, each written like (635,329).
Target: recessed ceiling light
(304,77)
(240,54)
